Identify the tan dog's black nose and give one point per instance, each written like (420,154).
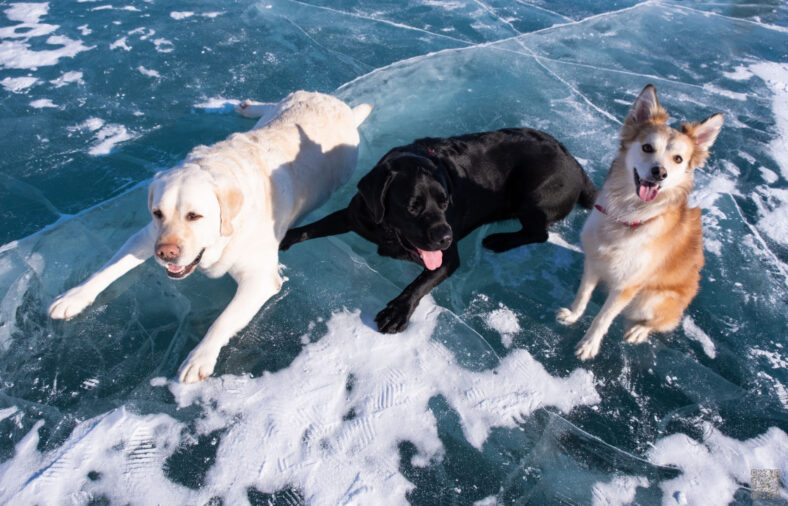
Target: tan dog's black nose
(659,173)
(168,251)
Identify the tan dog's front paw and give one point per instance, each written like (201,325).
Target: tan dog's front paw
(198,365)
(637,334)
(587,348)
(565,316)
(69,304)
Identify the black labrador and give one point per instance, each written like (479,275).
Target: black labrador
(420,199)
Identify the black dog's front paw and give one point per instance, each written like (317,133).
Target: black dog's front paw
(394,318)
(291,237)
(498,242)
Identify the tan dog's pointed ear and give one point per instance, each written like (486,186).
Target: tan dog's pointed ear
(646,109)
(703,134)
(230,201)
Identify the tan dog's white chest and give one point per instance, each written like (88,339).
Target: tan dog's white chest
(616,251)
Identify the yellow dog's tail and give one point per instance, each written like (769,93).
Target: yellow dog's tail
(360,113)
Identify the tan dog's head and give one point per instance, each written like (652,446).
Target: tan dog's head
(661,159)
(193,213)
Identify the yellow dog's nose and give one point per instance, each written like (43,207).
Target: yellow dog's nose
(168,251)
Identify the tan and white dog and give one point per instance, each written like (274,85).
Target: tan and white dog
(643,240)
(227,207)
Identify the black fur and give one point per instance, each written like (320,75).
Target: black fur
(432,193)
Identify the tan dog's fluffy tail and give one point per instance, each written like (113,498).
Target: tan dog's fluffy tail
(360,113)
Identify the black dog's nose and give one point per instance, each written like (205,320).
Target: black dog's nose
(440,235)
(659,173)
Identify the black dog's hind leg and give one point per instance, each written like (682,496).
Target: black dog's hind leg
(333,224)
(534,229)
(394,317)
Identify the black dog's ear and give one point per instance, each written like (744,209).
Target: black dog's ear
(445,179)
(373,188)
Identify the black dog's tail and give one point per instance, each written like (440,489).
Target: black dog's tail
(588,193)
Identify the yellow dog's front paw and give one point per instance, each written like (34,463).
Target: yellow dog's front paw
(198,365)
(70,304)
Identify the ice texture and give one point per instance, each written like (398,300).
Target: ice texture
(481,400)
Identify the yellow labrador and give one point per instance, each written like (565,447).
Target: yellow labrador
(225,209)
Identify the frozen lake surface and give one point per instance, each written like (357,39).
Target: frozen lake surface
(481,400)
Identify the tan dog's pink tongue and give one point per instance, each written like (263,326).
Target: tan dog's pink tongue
(648,193)
(432,259)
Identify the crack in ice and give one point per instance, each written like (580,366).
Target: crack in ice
(379,20)
(495,15)
(539,8)
(776,28)
(769,253)
(360,64)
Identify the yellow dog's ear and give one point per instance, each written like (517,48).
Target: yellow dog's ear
(230,201)
(156,178)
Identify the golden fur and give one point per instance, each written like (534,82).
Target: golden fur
(652,269)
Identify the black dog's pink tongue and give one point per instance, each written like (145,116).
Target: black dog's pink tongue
(647,193)
(432,259)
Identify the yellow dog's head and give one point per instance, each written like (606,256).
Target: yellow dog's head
(192,211)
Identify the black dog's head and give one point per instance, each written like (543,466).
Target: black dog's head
(410,195)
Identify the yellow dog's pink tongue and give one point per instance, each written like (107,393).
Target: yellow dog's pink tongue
(432,259)
(647,193)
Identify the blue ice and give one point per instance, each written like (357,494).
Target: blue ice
(481,400)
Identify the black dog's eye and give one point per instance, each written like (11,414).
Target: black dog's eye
(678,159)
(157,214)
(648,148)
(192,216)
(415,206)
(443,203)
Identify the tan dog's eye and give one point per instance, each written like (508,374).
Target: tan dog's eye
(678,159)
(157,214)
(193,216)
(648,148)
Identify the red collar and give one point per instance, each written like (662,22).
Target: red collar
(627,223)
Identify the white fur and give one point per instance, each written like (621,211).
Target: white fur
(301,150)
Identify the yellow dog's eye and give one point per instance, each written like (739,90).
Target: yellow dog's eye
(193,216)
(678,159)
(648,148)
(157,214)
